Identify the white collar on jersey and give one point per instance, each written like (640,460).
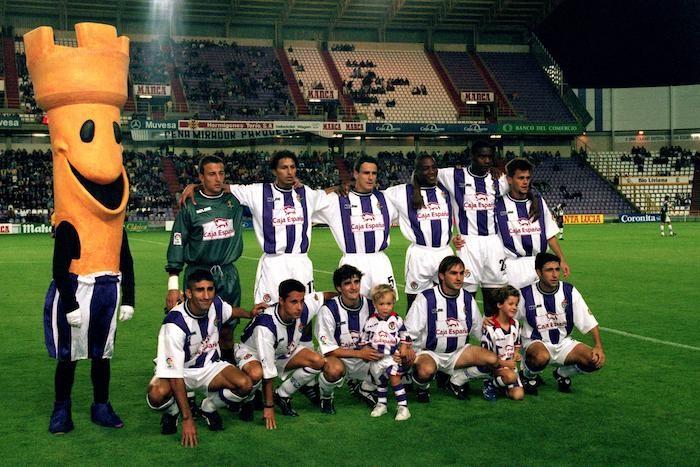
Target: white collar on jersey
(192,315)
(548,293)
(469,170)
(439,287)
(356,309)
(279,318)
(204,195)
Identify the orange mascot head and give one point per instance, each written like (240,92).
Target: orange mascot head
(82,90)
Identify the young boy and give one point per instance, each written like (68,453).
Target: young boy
(502,336)
(384,331)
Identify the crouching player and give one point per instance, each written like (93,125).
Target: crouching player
(339,331)
(189,359)
(274,344)
(384,332)
(501,335)
(549,310)
(439,323)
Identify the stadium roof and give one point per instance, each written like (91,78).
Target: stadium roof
(381,14)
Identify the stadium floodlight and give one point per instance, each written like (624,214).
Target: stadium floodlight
(640,132)
(145,96)
(695,136)
(40,135)
(495,136)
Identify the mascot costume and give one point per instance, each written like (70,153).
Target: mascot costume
(82,91)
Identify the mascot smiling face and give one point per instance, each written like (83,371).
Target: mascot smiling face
(82,90)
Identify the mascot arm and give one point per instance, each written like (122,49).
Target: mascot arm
(66,249)
(126,266)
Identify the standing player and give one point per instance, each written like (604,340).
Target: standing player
(525,226)
(273,345)
(558,213)
(474,191)
(188,359)
(208,236)
(361,222)
(439,323)
(550,310)
(666,218)
(339,331)
(425,216)
(282,218)
(385,332)
(502,337)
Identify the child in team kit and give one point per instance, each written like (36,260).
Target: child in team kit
(502,336)
(384,331)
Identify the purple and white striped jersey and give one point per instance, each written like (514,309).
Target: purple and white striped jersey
(384,335)
(281,218)
(550,317)
(360,222)
(520,235)
(186,341)
(430,226)
(272,339)
(473,199)
(501,342)
(442,323)
(340,326)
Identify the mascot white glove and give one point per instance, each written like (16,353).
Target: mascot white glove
(74,318)
(126,312)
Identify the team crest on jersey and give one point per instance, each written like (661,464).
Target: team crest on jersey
(247,356)
(452,323)
(467,272)
(169,362)
(414,285)
(177,239)
(367,216)
(482,197)
(564,303)
(324,340)
(299,198)
(267,298)
(392,326)
(551,316)
(229,203)
(290,209)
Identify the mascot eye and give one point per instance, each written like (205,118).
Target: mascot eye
(87,131)
(117,132)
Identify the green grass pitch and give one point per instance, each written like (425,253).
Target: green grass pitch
(640,409)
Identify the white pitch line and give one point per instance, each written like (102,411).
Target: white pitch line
(613,331)
(650,339)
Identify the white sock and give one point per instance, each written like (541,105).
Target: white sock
(169,406)
(218,399)
(568,370)
(298,379)
(327,387)
(529,374)
(421,385)
(251,396)
(460,378)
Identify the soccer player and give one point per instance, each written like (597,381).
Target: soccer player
(525,226)
(558,213)
(339,327)
(502,337)
(424,208)
(189,359)
(273,345)
(439,323)
(385,332)
(666,218)
(474,191)
(549,311)
(282,217)
(361,222)
(208,236)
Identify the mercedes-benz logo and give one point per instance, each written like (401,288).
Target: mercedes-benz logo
(135,124)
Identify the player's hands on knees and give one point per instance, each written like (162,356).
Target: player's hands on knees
(269,417)
(187,194)
(369,354)
(189,433)
(598,357)
(458,242)
(173,298)
(257,309)
(75,318)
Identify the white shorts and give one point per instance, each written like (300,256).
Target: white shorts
(355,368)
(198,379)
(386,366)
(422,267)
(245,355)
(557,352)
(521,271)
(375,267)
(445,361)
(484,260)
(273,269)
